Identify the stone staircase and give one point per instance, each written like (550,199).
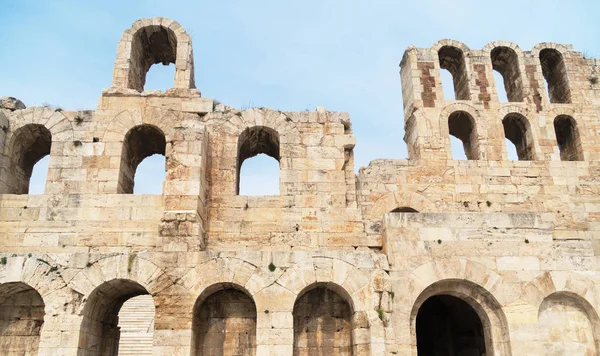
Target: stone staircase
(136,320)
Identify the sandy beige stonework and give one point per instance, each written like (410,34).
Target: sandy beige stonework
(428,256)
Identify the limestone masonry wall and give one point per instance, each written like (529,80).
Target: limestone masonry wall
(427,256)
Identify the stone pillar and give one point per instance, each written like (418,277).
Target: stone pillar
(184,220)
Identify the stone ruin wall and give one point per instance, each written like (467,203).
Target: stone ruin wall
(338,262)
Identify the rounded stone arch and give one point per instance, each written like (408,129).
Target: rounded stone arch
(570,287)
(483,289)
(562,48)
(345,279)
(31,136)
(567,111)
(275,120)
(41,274)
(479,127)
(509,109)
(451,43)
(487,49)
(390,201)
(131,267)
(220,307)
(175,47)
(118,127)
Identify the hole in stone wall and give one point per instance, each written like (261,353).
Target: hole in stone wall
(253,142)
(518,131)
(499,80)
(150,45)
(511,150)
(136,326)
(462,126)
(447,325)
(452,59)
(21,319)
(30,144)
(506,62)
(37,182)
(568,139)
(555,75)
(160,77)
(140,142)
(322,324)
(99,331)
(224,324)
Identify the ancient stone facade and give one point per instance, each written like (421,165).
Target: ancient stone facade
(428,256)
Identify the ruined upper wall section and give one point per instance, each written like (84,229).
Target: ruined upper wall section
(553,96)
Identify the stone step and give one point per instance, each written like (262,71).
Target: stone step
(136,320)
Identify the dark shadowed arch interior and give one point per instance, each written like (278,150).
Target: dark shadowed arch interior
(21,319)
(404,209)
(322,323)
(555,74)
(253,141)
(518,131)
(140,142)
(30,143)
(448,326)
(506,62)
(453,59)
(99,332)
(568,139)
(462,126)
(150,45)
(224,323)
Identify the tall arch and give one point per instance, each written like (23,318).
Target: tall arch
(518,131)
(99,332)
(21,319)
(569,325)
(253,141)
(28,145)
(567,138)
(462,126)
(453,60)
(224,322)
(555,74)
(140,142)
(479,301)
(323,322)
(506,62)
(151,41)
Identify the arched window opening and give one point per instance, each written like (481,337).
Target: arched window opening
(518,131)
(141,142)
(322,324)
(447,325)
(224,323)
(452,59)
(21,319)
(568,325)
(499,80)
(506,62)
(30,144)
(150,45)
(404,209)
(462,126)
(136,325)
(259,176)
(99,331)
(252,142)
(555,75)
(567,137)
(39,174)
(160,77)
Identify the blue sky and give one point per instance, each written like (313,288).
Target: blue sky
(287,55)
